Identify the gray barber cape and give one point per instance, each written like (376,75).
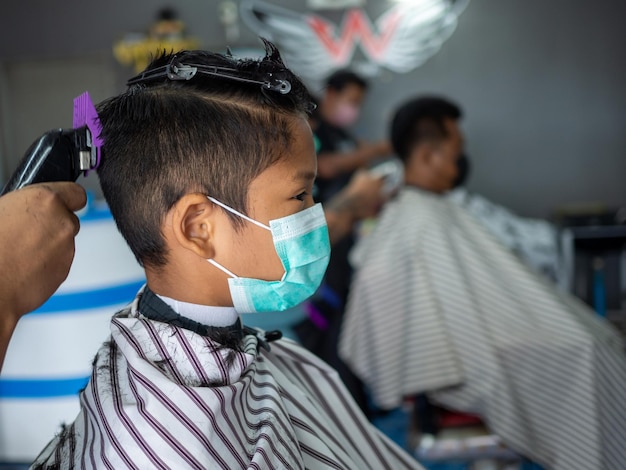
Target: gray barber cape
(439,306)
(164,396)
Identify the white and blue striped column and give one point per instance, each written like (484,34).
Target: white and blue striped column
(49,357)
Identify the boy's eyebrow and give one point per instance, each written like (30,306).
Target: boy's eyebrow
(305,175)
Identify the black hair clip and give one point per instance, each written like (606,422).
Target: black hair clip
(178,71)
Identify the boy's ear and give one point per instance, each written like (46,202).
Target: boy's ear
(193,223)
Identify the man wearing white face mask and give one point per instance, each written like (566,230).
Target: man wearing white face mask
(338,157)
(340,154)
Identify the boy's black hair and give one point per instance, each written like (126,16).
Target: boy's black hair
(421,119)
(342,78)
(210,134)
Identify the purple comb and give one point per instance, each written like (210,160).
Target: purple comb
(85,115)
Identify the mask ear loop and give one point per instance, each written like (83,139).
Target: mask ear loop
(230,209)
(222,268)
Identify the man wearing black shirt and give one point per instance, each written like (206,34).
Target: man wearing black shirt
(339,156)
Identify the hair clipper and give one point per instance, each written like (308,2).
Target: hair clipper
(62,154)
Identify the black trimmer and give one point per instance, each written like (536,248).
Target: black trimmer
(62,154)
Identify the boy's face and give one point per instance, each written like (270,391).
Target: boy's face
(281,190)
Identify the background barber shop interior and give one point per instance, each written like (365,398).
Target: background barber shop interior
(478,315)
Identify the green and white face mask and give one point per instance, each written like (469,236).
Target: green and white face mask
(301,241)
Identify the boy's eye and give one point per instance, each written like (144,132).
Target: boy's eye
(301,196)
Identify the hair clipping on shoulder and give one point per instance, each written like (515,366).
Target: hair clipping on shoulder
(177,71)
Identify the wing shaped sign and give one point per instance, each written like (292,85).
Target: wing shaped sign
(401,39)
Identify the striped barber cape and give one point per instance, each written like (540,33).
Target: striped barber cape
(163,396)
(439,306)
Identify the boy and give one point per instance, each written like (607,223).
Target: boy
(208,167)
